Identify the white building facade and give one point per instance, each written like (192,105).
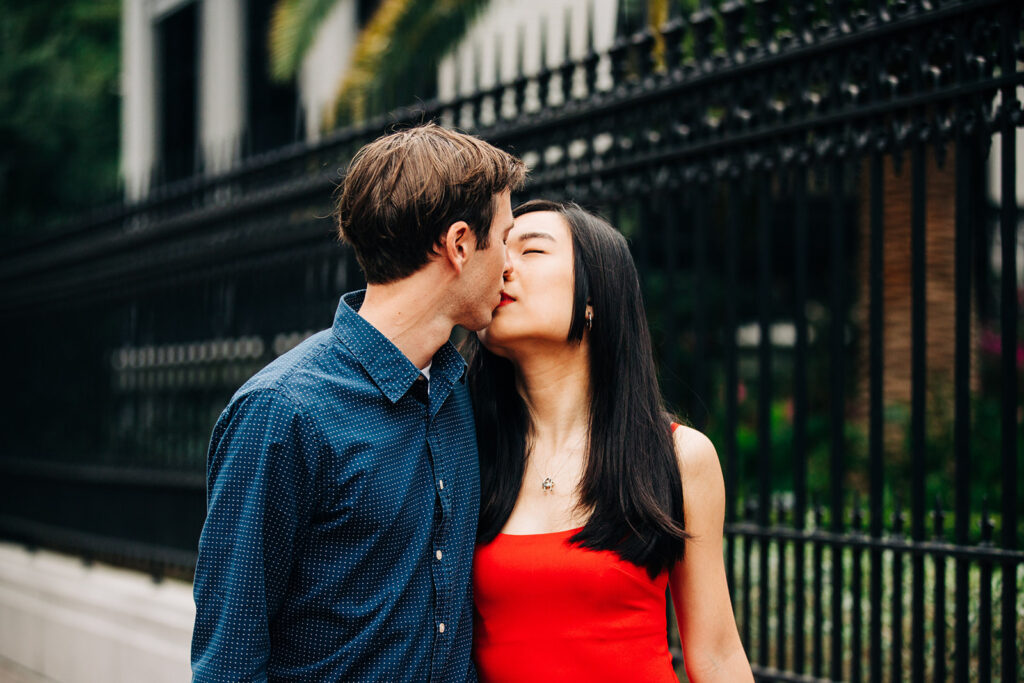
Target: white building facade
(196,97)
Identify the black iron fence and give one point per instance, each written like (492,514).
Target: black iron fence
(823,202)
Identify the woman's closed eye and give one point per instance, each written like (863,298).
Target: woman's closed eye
(534,251)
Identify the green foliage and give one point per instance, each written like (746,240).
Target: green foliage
(293,28)
(782,587)
(985,465)
(59,65)
(818,439)
(402,45)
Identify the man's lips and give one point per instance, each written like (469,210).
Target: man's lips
(505,300)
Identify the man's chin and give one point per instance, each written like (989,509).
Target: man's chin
(479,324)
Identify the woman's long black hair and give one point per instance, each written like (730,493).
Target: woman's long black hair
(631,482)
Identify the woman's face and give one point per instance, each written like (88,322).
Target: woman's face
(536,303)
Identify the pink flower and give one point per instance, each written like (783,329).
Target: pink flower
(990,342)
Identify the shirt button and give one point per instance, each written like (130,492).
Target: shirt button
(440,483)
(440,627)
(438,554)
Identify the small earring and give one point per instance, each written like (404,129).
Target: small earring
(590,320)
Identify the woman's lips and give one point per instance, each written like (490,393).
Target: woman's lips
(505,300)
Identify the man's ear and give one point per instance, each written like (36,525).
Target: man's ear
(457,245)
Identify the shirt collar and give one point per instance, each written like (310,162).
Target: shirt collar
(388,367)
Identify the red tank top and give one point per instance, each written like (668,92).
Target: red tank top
(548,610)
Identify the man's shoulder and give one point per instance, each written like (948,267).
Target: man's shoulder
(299,375)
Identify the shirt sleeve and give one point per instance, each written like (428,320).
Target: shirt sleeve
(260,478)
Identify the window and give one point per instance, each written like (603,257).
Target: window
(177,70)
(272,109)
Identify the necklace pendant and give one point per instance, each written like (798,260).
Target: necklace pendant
(548,485)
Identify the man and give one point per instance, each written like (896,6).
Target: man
(342,478)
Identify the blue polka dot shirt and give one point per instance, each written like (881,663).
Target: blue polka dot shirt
(342,506)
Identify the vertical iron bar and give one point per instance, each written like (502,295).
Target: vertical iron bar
(619,54)
(764,398)
(670,224)
(590,58)
(732,221)
(567,68)
(476,97)
(800,417)
(699,393)
(747,590)
(896,655)
(670,362)
(544,70)
(519,80)
(643,245)
(985,603)
(1008,313)
(781,595)
(917,403)
(962,416)
(838,408)
(818,616)
(855,589)
(939,600)
(497,93)
(877,362)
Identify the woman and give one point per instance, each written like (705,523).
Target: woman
(583,519)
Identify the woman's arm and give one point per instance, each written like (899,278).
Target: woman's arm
(711,644)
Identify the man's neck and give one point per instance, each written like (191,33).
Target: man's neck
(410,313)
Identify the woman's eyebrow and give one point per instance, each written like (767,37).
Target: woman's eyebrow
(530,235)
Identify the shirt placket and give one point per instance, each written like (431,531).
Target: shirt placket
(441,561)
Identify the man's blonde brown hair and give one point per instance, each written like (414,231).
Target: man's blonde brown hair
(403,191)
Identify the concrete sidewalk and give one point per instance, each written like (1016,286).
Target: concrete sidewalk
(63,621)
(12,672)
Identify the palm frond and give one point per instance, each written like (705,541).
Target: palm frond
(293,28)
(657,15)
(402,37)
(367,57)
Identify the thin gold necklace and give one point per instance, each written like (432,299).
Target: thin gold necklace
(548,483)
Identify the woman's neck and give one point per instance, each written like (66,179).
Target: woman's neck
(555,385)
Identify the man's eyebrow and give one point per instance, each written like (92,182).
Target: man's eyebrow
(530,235)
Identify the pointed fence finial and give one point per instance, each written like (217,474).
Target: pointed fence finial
(478,57)
(567,69)
(589,19)
(567,44)
(623,26)
(520,51)
(498,57)
(543,44)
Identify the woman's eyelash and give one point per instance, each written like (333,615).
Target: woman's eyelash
(533,251)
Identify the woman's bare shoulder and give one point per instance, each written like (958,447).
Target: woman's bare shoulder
(696,454)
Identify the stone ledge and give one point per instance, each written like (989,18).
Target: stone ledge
(65,621)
